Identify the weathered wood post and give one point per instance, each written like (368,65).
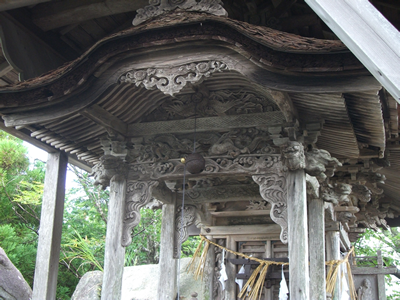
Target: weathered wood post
(230,286)
(316,235)
(114,251)
(298,235)
(167,288)
(112,171)
(51,219)
(333,253)
(299,281)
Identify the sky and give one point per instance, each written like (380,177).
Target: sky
(37,153)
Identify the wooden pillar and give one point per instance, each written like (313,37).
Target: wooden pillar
(230,284)
(208,279)
(316,235)
(333,253)
(114,251)
(51,219)
(298,235)
(167,285)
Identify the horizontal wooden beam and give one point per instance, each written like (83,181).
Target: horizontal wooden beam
(5,68)
(374,271)
(104,118)
(207,124)
(62,13)
(11,4)
(241,213)
(222,193)
(371,38)
(272,229)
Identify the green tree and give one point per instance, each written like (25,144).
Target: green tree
(388,241)
(21,190)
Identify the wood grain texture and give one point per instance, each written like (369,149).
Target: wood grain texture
(298,235)
(316,234)
(167,285)
(51,219)
(114,252)
(332,239)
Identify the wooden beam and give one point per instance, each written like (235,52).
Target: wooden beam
(20,46)
(374,270)
(11,4)
(62,13)
(272,229)
(51,220)
(371,38)
(5,68)
(105,119)
(206,124)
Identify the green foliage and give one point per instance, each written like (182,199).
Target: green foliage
(20,245)
(145,246)
(190,246)
(388,241)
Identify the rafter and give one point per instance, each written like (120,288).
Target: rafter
(62,13)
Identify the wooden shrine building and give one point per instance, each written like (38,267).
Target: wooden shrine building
(300,135)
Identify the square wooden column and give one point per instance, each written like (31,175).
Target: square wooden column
(51,219)
(333,253)
(316,230)
(299,280)
(167,285)
(114,251)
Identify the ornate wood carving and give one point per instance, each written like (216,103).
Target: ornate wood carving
(293,156)
(243,164)
(273,190)
(211,103)
(336,193)
(169,146)
(170,81)
(218,292)
(108,166)
(159,7)
(138,194)
(181,225)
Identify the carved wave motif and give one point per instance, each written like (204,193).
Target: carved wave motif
(138,195)
(273,190)
(181,225)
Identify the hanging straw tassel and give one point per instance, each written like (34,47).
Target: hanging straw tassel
(255,286)
(199,259)
(331,278)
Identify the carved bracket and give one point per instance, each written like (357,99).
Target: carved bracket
(273,189)
(171,80)
(108,166)
(159,7)
(181,225)
(138,194)
(316,162)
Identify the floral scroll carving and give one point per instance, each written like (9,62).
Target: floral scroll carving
(138,194)
(273,190)
(159,7)
(171,80)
